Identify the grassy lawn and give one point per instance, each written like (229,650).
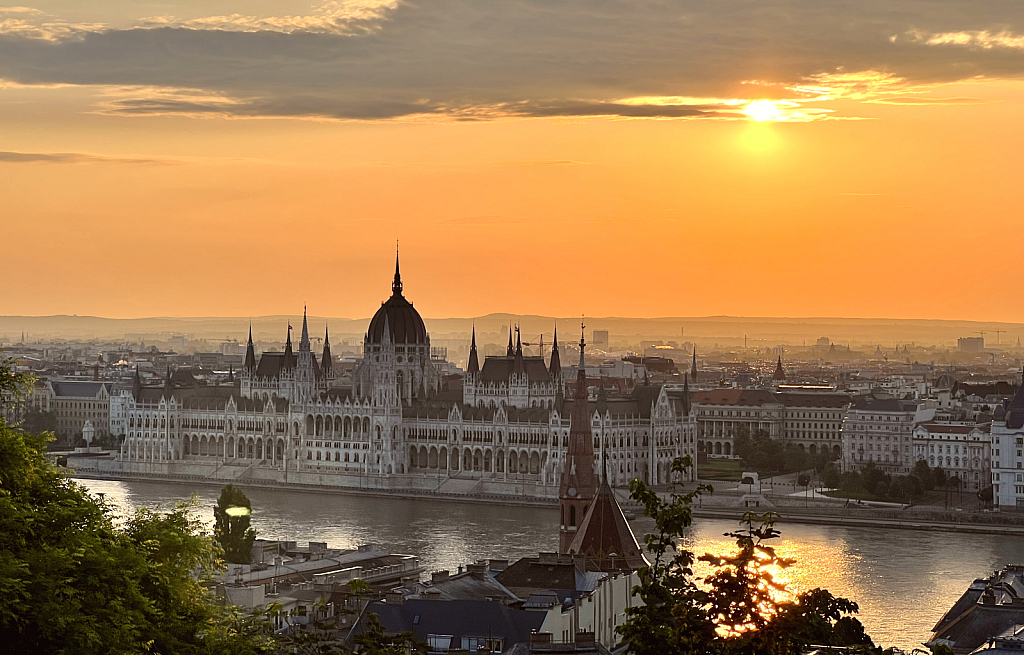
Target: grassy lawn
(720,469)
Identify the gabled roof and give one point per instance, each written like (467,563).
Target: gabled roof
(76,389)
(605,537)
(458,618)
(500,369)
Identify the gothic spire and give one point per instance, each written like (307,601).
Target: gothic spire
(250,353)
(304,340)
(511,351)
(396,286)
(555,367)
(583,344)
(326,365)
(517,364)
(474,363)
(693,367)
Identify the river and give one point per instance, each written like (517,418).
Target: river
(903,580)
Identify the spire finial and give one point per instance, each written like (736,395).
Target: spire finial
(583,342)
(396,286)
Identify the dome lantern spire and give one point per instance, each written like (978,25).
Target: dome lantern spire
(396,286)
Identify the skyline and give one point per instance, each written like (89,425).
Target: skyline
(777,159)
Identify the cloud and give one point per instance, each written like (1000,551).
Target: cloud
(975,38)
(473,60)
(912,100)
(10,157)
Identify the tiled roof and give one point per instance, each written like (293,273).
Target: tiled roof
(76,389)
(604,532)
(741,397)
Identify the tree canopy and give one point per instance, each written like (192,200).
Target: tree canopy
(75,580)
(232,519)
(740,608)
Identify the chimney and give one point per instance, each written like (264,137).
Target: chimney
(439,576)
(478,571)
(394,598)
(540,639)
(498,564)
(585,640)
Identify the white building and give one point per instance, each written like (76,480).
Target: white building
(290,419)
(1008,455)
(881,430)
(959,448)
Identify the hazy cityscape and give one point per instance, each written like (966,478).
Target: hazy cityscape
(477,327)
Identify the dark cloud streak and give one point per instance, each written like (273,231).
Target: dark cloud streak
(485,59)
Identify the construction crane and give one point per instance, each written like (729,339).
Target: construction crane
(982,333)
(998,332)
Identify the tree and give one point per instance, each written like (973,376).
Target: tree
(232,516)
(741,609)
(831,476)
(924,475)
(72,580)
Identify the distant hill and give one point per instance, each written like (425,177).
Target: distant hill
(704,330)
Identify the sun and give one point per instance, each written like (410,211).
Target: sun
(763,110)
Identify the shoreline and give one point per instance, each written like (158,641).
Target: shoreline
(921,524)
(488,499)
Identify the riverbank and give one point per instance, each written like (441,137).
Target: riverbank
(413,494)
(794,515)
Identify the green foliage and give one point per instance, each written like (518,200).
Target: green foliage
(373,640)
(740,609)
(36,421)
(73,581)
(232,517)
(875,484)
(761,453)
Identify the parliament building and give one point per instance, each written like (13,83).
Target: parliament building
(287,418)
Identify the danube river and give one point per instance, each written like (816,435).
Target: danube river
(903,579)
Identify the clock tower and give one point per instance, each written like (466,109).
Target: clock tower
(579,483)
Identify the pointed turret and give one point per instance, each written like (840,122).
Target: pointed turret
(578,484)
(583,345)
(474,363)
(511,351)
(604,535)
(780,374)
(289,356)
(396,285)
(304,340)
(326,363)
(518,366)
(231,374)
(693,366)
(555,367)
(250,353)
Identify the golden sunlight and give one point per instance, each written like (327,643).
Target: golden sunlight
(763,110)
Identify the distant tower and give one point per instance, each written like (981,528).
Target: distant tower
(693,366)
(305,375)
(326,361)
(555,367)
(579,484)
(780,374)
(472,372)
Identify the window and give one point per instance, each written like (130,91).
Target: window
(439,642)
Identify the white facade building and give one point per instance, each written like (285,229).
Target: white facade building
(289,419)
(959,448)
(881,430)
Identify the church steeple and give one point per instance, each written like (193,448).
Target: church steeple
(693,366)
(578,485)
(396,285)
(474,363)
(780,374)
(511,351)
(583,344)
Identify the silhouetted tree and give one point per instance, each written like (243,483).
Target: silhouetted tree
(232,517)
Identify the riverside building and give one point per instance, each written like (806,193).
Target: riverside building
(287,418)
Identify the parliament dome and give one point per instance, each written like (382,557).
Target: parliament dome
(405,325)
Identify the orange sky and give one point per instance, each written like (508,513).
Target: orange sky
(900,210)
